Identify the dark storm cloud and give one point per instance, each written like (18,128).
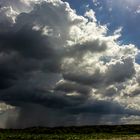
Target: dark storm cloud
(99,112)
(83,78)
(43,116)
(28,43)
(33,95)
(103,108)
(71,87)
(25,51)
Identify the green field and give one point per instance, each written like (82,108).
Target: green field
(126,132)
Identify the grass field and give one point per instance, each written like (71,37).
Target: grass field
(127,132)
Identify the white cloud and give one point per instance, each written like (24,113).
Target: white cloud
(96,2)
(7,13)
(137,10)
(131,119)
(91,14)
(4,107)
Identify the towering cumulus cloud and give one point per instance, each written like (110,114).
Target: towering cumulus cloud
(59,68)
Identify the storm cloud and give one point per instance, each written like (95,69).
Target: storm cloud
(59,68)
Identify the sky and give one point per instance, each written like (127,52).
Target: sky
(69,63)
(123,13)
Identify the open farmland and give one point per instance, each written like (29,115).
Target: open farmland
(126,132)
